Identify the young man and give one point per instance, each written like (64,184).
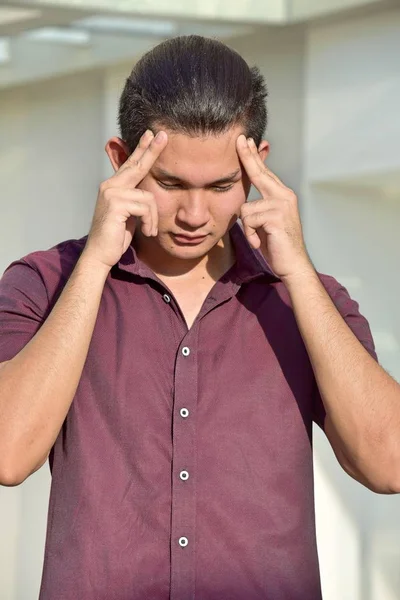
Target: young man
(171,363)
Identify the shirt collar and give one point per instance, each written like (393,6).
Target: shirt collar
(250,264)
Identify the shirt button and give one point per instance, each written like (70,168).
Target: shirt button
(166,298)
(185,351)
(183,542)
(184,412)
(184,475)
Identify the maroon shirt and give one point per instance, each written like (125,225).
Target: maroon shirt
(184,467)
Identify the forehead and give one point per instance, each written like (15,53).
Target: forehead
(202,158)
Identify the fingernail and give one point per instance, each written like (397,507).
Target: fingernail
(243,140)
(250,141)
(159,137)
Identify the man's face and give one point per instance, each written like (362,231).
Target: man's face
(199,186)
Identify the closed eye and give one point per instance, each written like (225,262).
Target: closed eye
(168,186)
(177,186)
(222,188)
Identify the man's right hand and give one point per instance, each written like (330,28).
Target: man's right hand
(38,385)
(120,204)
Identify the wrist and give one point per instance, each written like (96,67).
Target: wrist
(90,264)
(304,274)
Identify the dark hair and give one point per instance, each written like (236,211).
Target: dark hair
(193,85)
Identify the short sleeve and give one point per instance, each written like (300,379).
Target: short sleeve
(349,309)
(23,307)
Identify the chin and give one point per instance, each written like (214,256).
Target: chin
(187,253)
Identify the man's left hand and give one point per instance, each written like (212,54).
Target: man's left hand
(272,223)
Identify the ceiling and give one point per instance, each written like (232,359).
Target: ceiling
(44,38)
(41,41)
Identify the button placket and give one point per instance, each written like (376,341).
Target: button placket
(184,469)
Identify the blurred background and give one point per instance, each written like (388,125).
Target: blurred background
(333,73)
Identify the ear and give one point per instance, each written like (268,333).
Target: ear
(263,150)
(117,151)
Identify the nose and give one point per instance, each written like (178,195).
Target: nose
(193,210)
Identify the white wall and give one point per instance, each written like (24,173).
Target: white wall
(353,90)
(352,228)
(280,55)
(50,166)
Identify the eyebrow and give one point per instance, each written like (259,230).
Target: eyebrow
(227,179)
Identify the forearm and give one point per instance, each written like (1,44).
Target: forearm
(38,385)
(361,400)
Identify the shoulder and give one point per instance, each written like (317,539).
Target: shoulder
(335,288)
(52,266)
(345,304)
(62,254)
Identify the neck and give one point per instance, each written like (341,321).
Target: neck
(213,265)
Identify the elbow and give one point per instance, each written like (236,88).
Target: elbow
(11,468)
(393,477)
(394,487)
(386,483)
(389,488)
(17,463)
(10,477)
(378,480)
(13,474)
(380,471)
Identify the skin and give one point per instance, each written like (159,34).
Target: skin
(189,201)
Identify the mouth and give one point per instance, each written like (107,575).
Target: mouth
(188,240)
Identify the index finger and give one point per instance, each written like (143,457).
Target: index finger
(255,168)
(137,168)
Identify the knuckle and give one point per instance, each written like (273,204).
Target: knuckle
(108,194)
(275,214)
(104,185)
(145,207)
(138,195)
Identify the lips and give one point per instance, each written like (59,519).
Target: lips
(189,239)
